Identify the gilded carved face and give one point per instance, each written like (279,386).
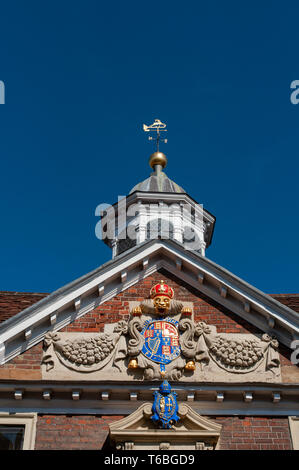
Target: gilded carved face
(162,304)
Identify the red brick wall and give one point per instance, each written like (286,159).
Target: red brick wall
(254,433)
(26,366)
(61,432)
(12,303)
(118,309)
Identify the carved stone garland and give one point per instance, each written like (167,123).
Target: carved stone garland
(87,353)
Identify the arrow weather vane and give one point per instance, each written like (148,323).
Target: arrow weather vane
(158,127)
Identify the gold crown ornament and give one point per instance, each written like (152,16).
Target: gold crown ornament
(161,289)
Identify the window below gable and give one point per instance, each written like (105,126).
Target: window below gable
(17,431)
(11,437)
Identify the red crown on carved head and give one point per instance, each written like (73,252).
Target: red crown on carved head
(162,289)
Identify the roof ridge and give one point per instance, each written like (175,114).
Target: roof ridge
(284,295)
(48,293)
(7,292)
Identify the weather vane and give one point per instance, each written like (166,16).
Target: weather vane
(158,127)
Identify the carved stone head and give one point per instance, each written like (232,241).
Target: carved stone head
(161,295)
(162,305)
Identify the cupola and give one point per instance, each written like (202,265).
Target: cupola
(157,208)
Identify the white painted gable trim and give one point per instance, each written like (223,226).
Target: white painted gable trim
(84,294)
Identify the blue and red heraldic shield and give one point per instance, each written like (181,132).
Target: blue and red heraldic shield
(161,340)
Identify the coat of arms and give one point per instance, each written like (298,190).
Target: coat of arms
(162,339)
(156,339)
(161,342)
(165,407)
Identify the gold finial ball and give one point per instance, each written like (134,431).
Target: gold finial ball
(158,158)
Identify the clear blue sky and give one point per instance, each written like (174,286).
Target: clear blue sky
(82,77)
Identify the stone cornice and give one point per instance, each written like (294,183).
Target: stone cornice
(113,399)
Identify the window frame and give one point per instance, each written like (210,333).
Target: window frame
(28,420)
(294,431)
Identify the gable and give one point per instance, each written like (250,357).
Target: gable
(80,299)
(118,308)
(25,380)
(28,363)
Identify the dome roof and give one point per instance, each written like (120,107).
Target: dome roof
(158,182)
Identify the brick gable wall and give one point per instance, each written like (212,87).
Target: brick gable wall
(204,308)
(117,308)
